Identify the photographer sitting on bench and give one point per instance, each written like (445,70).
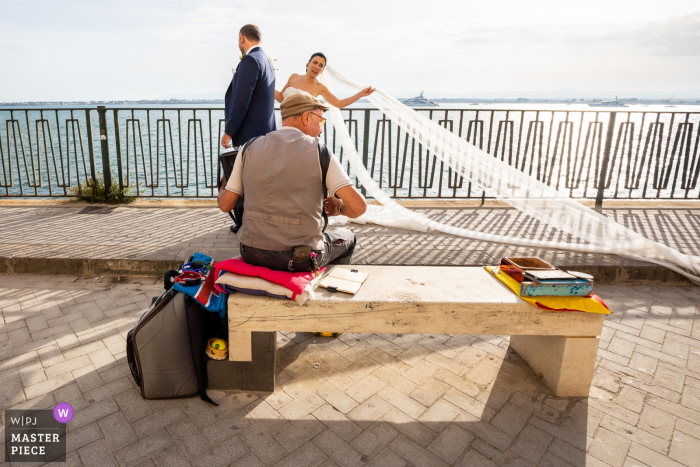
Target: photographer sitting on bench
(281,178)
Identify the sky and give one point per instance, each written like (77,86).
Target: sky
(147,49)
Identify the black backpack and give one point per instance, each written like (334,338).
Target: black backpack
(166,349)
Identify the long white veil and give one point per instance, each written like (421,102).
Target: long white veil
(512,186)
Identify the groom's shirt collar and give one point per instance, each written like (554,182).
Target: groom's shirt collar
(251,49)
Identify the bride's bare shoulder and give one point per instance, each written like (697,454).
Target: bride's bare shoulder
(320,88)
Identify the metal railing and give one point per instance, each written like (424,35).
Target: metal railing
(173,152)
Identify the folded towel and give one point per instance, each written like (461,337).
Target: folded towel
(294,281)
(230,282)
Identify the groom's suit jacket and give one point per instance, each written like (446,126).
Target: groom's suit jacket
(250,98)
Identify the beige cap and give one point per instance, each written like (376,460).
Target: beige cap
(299,103)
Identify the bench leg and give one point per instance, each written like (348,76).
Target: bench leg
(565,363)
(257,374)
(240,346)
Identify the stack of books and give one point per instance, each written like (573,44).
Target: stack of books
(538,278)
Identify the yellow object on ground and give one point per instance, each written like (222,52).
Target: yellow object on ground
(219,344)
(327,334)
(592,304)
(217,349)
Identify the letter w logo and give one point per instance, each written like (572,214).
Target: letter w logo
(63,412)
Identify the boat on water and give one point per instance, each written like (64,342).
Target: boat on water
(419,101)
(615,103)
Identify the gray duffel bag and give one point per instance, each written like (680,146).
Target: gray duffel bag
(165,350)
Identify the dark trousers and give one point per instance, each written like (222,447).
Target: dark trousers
(339,245)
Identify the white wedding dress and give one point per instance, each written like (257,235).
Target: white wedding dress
(375,214)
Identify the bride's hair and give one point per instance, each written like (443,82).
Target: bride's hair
(317,54)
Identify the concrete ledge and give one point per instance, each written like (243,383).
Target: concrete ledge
(86,267)
(610,273)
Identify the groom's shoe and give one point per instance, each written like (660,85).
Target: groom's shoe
(234,228)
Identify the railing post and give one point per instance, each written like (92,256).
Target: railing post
(606,162)
(365,146)
(119,150)
(91,146)
(106,170)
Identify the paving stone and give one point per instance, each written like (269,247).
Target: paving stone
(145,448)
(76,439)
(684,448)
(370,410)
(374,439)
(386,458)
(337,449)
(38,389)
(402,402)
(92,413)
(170,457)
(657,422)
(688,428)
(414,453)
(650,457)
(532,443)
(470,405)
(117,431)
(635,434)
(474,459)
(191,441)
(337,398)
(249,460)
(132,405)
(337,421)
(269,418)
(415,431)
(365,388)
(307,455)
(200,412)
(483,430)
(429,392)
(97,453)
(301,431)
(31,373)
(609,447)
(302,406)
(510,419)
(72,395)
(451,443)
(155,421)
(228,427)
(262,444)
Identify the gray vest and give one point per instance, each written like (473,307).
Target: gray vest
(282,192)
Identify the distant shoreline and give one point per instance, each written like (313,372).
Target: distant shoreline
(361,101)
(438,100)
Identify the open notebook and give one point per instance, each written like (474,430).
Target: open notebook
(344,280)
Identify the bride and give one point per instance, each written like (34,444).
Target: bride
(308,83)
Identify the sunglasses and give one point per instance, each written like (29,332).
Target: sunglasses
(323,120)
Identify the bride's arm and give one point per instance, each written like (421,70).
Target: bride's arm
(340,103)
(279,95)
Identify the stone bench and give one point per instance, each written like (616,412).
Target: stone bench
(561,347)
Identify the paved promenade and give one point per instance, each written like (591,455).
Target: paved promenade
(376,399)
(151,240)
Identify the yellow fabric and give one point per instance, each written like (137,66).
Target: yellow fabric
(585,304)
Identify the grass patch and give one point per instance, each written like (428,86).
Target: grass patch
(93,191)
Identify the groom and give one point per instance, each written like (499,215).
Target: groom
(250,98)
